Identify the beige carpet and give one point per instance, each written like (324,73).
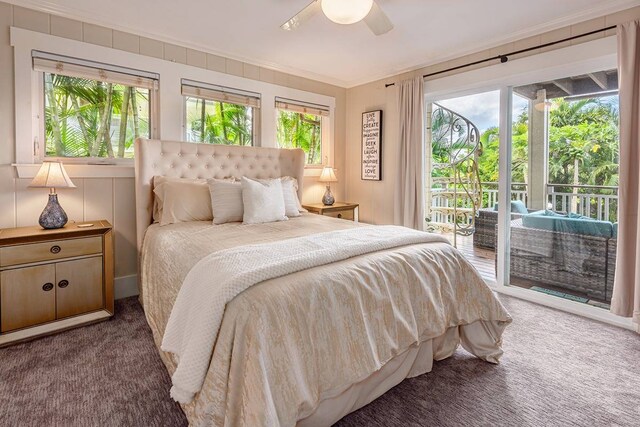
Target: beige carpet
(558,369)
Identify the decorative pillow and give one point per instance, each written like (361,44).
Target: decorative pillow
(517,206)
(183,202)
(292,204)
(263,201)
(158,190)
(226,201)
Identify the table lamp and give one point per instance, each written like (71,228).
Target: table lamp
(328,175)
(52,175)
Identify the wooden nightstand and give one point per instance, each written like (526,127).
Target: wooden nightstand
(52,280)
(337,210)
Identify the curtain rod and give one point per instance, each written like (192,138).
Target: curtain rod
(504,58)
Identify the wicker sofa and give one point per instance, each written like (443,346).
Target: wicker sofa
(577,262)
(485,227)
(612,251)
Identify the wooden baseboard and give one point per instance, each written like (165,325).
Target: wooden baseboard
(49,328)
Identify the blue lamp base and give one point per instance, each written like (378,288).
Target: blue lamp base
(53,216)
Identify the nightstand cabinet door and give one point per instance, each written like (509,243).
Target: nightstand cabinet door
(27,296)
(78,286)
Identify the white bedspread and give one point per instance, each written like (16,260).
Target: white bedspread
(289,346)
(197,314)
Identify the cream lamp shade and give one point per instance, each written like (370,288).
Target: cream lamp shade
(346,11)
(52,175)
(328,175)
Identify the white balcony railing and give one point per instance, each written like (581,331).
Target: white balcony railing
(593,201)
(490,193)
(442,213)
(597,202)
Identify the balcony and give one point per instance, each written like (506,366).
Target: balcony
(596,202)
(564,171)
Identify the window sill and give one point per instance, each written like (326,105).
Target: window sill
(80,171)
(312,170)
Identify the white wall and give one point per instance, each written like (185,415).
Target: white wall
(113,198)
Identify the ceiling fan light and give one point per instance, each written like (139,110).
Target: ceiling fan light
(346,11)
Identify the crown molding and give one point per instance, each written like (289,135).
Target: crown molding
(599,10)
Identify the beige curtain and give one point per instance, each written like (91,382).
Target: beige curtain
(626,290)
(409,197)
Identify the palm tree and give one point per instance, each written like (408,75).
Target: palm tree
(217,122)
(300,130)
(80,112)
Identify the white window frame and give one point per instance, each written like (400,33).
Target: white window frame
(40,143)
(170,119)
(255,114)
(600,54)
(324,111)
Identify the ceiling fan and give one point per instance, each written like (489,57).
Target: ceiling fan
(344,12)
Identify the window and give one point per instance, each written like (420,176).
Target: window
(92,110)
(219,115)
(300,125)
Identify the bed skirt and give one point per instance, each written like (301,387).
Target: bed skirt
(478,337)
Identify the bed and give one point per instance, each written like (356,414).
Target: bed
(308,347)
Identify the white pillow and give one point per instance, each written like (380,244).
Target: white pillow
(183,201)
(226,201)
(158,190)
(263,201)
(292,204)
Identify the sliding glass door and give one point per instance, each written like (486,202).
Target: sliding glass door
(564,154)
(544,223)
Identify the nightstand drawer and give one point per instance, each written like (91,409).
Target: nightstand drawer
(345,214)
(46,251)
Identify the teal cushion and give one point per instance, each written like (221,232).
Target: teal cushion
(547,212)
(615,230)
(577,216)
(551,221)
(517,206)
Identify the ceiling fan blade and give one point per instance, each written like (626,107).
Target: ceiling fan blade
(378,21)
(302,16)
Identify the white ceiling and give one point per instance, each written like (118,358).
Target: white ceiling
(426,31)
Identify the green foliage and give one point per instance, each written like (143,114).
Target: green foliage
(299,130)
(217,122)
(83,117)
(582,134)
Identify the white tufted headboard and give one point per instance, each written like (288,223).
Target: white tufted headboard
(190,160)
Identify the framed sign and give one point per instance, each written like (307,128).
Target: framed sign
(372,146)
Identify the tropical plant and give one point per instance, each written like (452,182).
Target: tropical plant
(583,144)
(300,130)
(89,118)
(217,122)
